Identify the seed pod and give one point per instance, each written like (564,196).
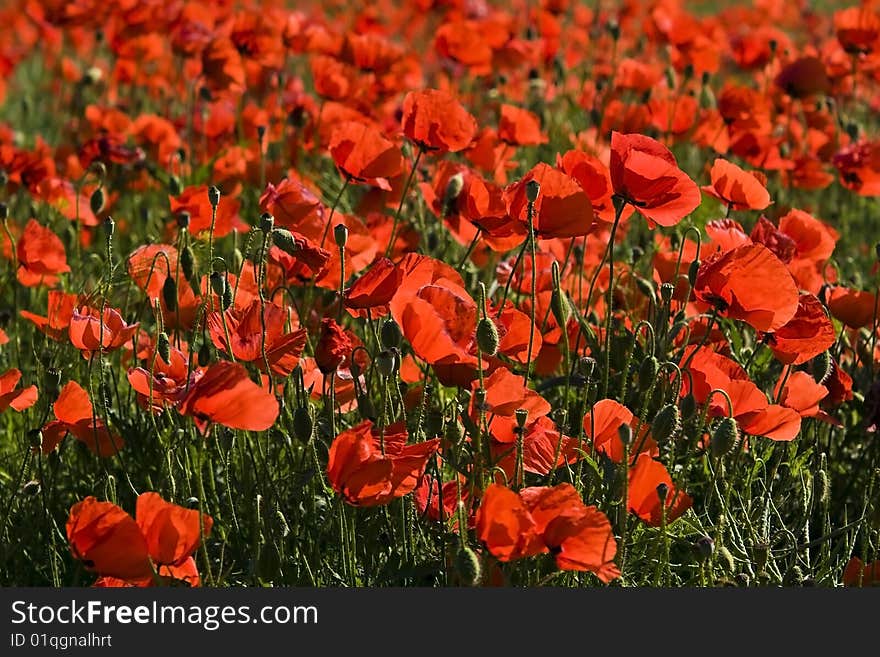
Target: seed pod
(467,565)
(390,334)
(533,188)
(187,262)
(666,292)
(725,438)
(267,222)
(760,554)
(96,201)
(163,347)
(169,294)
(522,416)
(667,424)
(183,218)
(302,423)
(487,336)
(586,366)
(340,234)
(214,196)
(648,372)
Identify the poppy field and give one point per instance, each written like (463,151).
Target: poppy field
(439,293)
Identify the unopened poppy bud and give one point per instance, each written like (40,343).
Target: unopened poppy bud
(4,212)
(707,97)
(192,503)
(533,188)
(667,424)
(821,367)
(218,283)
(487,336)
(613,28)
(662,492)
(163,347)
(169,294)
(522,416)
(238,257)
(671,81)
(386,362)
(227,299)
(645,287)
(648,372)
(284,240)
(454,432)
(452,192)
(340,234)
(725,437)
(693,270)
(726,560)
(390,334)
(626,434)
(823,482)
(187,262)
(467,564)
(96,201)
(705,547)
(267,222)
(35,438)
(214,196)
(175,187)
(302,423)
(183,218)
(204,354)
(99,169)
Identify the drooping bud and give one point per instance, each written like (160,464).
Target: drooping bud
(386,362)
(725,438)
(53,383)
(187,262)
(667,424)
(284,240)
(302,423)
(454,432)
(467,565)
(648,372)
(169,294)
(175,188)
(693,270)
(452,192)
(163,347)
(109,226)
(35,437)
(487,336)
(218,283)
(626,434)
(96,201)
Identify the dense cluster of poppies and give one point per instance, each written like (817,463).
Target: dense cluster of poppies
(439,292)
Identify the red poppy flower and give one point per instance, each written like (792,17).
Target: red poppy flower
(782,246)
(371,293)
(854,308)
(116,546)
(857,28)
(562,208)
(644,500)
(602,425)
(748,283)
(439,503)
(333,347)
(294,207)
(369,467)
(541,520)
(149,270)
(804,336)
(195,201)
(519,127)
(364,155)
(75,415)
(41,256)
(736,188)
(226,395)
(645,174)
(436,121)
(164,383)
(839,384)
(802,394)
(19,399)
(250,335)
(857,573)
(90,332)
(505,394)
(804,77)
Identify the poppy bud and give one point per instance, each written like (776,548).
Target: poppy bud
(302,423)
(340,234)
(283,239)
(333,347)
(667,424)
(452,192)
(726,560)
(487,336)
(693,270)
(480,399)
(163,347)
(192,503)
(645,287)
(725,438)
(267,222)
(99,169)
(390,334)
(204,354)
(226,300)
(214,196)
(626,434)
(4,212)
(533,188)
(187,262)
(705,547)
(821,367)
(175,188)
(96,202)
(794,576)
(31,488)
(238,257)
(169,294)
(386,362)
(824,485)
(522,416)
(648,372)
(454,432)
(467,564)
(183,218)
(109,226)
(613,28)
(218,283)
(35,437)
